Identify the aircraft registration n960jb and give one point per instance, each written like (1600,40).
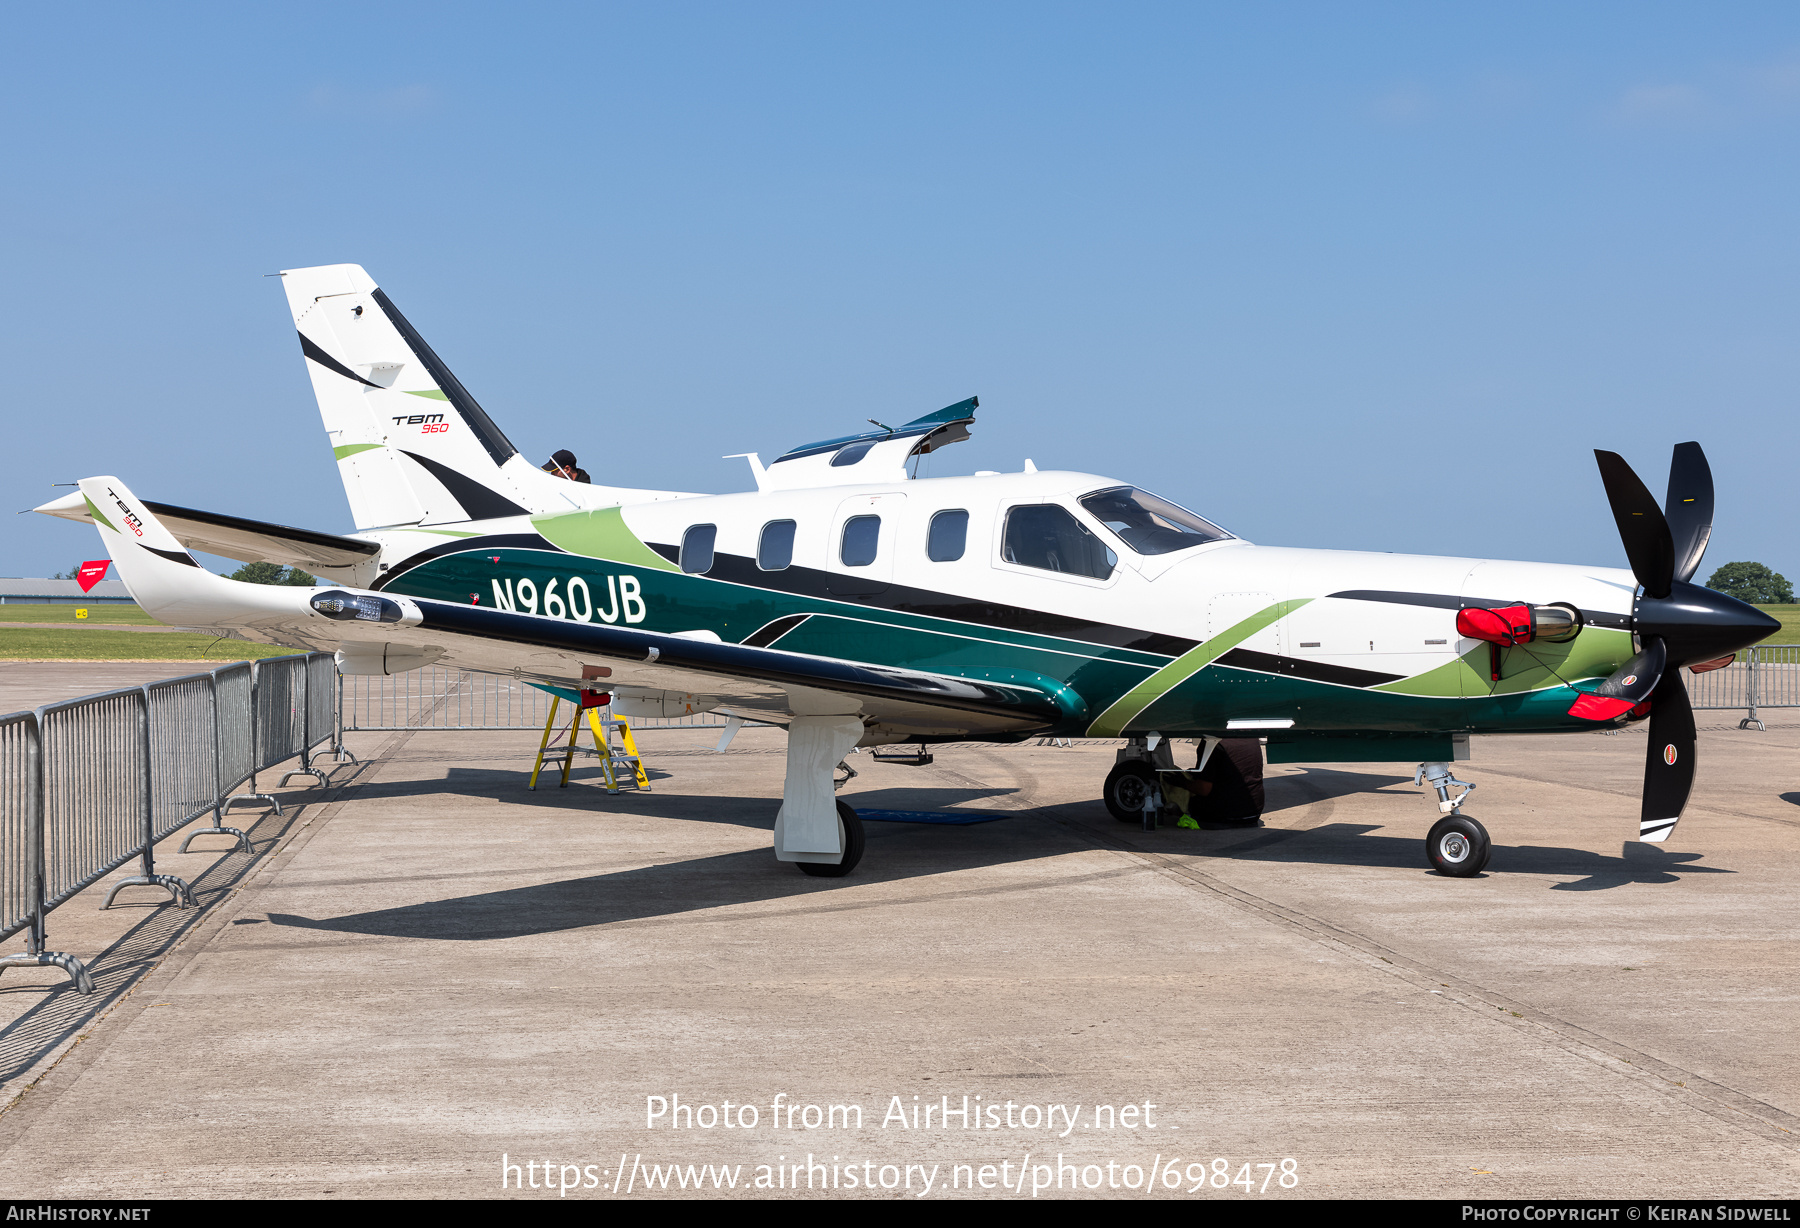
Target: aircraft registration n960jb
(861,606)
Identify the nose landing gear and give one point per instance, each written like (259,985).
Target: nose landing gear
(1457,845)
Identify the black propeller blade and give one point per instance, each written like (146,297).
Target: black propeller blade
(1676,622)
(1668,761)
(1642,526)
(1689,507)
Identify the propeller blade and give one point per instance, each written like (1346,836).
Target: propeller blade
(1669,760)
(1631,684)
(1689,507)
(1642,526)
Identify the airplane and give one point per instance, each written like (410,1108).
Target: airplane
(860,605)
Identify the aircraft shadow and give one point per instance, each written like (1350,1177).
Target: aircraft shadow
(896,852)
(1349,844)
(903,798)
(1791,797)
(583,797)
(1316,784)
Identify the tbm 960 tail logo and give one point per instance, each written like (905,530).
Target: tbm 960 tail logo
(624,597)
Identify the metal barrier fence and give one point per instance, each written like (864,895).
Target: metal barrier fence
(21,805)
(1766,676)
(88,784)
(437,697)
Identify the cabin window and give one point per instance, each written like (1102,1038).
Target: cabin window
(697,548)
(776,548)
(862,537)
(855,452)
(949,535)
(1047,536)
(1147,524)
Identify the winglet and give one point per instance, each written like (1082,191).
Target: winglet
(164,579)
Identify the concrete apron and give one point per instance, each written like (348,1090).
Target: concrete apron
(446,969)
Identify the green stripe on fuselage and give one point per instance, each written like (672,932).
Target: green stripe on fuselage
(601,534)
(1114,720)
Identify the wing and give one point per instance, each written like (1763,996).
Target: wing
(766,683)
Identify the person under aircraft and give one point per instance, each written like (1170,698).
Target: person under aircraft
(1225,790)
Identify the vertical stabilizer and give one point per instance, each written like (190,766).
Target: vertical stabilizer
(413,447)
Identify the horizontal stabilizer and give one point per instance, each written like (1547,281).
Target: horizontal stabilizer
(234,537)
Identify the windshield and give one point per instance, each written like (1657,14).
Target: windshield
(1147,524)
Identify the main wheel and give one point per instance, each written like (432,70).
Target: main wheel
(1457,846)
(1127,785)
(850,835)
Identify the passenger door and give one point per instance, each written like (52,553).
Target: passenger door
(854,539)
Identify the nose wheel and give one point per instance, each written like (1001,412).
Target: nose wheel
(1457,846)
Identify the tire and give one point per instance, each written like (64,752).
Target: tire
(1458,846)
(850,831)
(1127,785)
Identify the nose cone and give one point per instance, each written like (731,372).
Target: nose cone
(1698,624)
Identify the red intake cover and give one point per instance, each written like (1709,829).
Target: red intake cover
(1507,626)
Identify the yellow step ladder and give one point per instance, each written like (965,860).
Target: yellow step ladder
(622,765)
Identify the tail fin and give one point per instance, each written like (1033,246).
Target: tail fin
(413,447)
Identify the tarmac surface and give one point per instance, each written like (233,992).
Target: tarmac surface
(426,968)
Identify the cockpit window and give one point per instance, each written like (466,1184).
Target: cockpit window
(1047,536)
(1147,524)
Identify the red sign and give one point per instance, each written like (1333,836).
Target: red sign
(91,574)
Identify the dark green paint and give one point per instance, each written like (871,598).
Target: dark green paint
(1083,679)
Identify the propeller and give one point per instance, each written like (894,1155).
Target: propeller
(1676,622)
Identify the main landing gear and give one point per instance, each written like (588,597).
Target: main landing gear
(1132,782)
(1128,788)
(1456,845)
(850,834)
(813,830)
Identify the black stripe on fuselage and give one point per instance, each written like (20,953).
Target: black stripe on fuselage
(1312,671)
(773,630)
(1443,601)
(832,586)
(467,545)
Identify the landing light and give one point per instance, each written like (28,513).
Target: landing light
(357,607)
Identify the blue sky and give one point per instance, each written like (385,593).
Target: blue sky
(1374,276)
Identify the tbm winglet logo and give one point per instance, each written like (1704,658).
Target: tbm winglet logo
(434,424)
(130,517)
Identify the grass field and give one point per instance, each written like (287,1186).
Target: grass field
(129,614)
(99,644)
(1790,623)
